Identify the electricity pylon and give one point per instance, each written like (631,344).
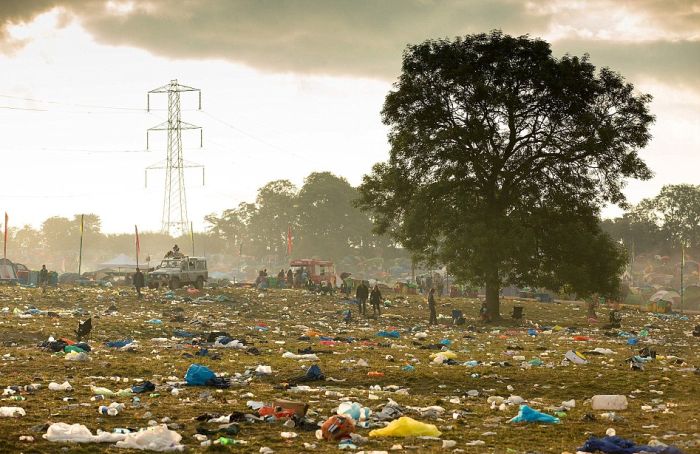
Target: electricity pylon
(175,202)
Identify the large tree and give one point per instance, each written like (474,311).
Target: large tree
(496,147)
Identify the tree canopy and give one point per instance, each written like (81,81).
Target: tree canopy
(501,156)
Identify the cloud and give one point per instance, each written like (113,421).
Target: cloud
(348,37)
(366,37)
(669,62)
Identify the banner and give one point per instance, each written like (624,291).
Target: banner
(289,239)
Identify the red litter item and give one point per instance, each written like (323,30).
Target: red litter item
(582,338)
(337,427)
(277,412)
(375,374)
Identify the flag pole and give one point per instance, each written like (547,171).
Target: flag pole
(80,254)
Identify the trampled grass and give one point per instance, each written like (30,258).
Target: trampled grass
(273,324)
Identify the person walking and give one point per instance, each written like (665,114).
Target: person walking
(375,298)
(139,282)
(431,306)
(362,293)
(43,278)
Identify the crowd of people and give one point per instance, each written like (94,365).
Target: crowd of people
(298,278)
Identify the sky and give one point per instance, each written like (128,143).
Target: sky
(288,87)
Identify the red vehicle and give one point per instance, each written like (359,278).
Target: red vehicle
(318,271)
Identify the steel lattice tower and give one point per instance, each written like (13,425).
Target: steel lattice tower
(175,201)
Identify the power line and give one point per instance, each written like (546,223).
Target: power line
(235,128)
(77,150)
(23,108)
(91,106)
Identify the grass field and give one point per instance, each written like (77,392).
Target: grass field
(273,323)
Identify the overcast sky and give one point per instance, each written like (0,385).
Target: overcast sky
(288,87)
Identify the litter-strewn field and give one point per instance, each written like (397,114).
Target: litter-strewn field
(470,392)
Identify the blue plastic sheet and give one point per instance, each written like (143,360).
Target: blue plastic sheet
(527,414)
(618,445)
(390,334)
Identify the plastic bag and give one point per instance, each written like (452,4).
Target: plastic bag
(406,427)
(78,433)
(198,375)
(12,412)
(618,445)
(527,414)
(158,438)
(354,410)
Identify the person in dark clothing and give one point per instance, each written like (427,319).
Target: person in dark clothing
(43,278)
(376,299)
(139,282)
(431,306)
(290,278)
(280,279)
(362,293)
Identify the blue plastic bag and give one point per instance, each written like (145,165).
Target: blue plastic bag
(390,334)
(527,414)
(198,375)
(314,373)
(119,343)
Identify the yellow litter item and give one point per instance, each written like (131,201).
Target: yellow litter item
(406,427)
(447,354)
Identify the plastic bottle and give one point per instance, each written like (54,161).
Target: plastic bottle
(609,402)
(112,410)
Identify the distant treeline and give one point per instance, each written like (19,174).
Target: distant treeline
(660,225)
(320,215)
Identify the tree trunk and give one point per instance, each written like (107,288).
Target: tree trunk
(493,291)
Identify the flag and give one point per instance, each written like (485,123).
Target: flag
(192,236)
(4,250)
(80,253)
(682,272)
(138,242)
(289,239)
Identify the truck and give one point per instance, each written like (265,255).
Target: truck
(175,272)
(319,271)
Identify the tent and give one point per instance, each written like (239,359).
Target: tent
(665,295)
(7,271)
(122,262)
